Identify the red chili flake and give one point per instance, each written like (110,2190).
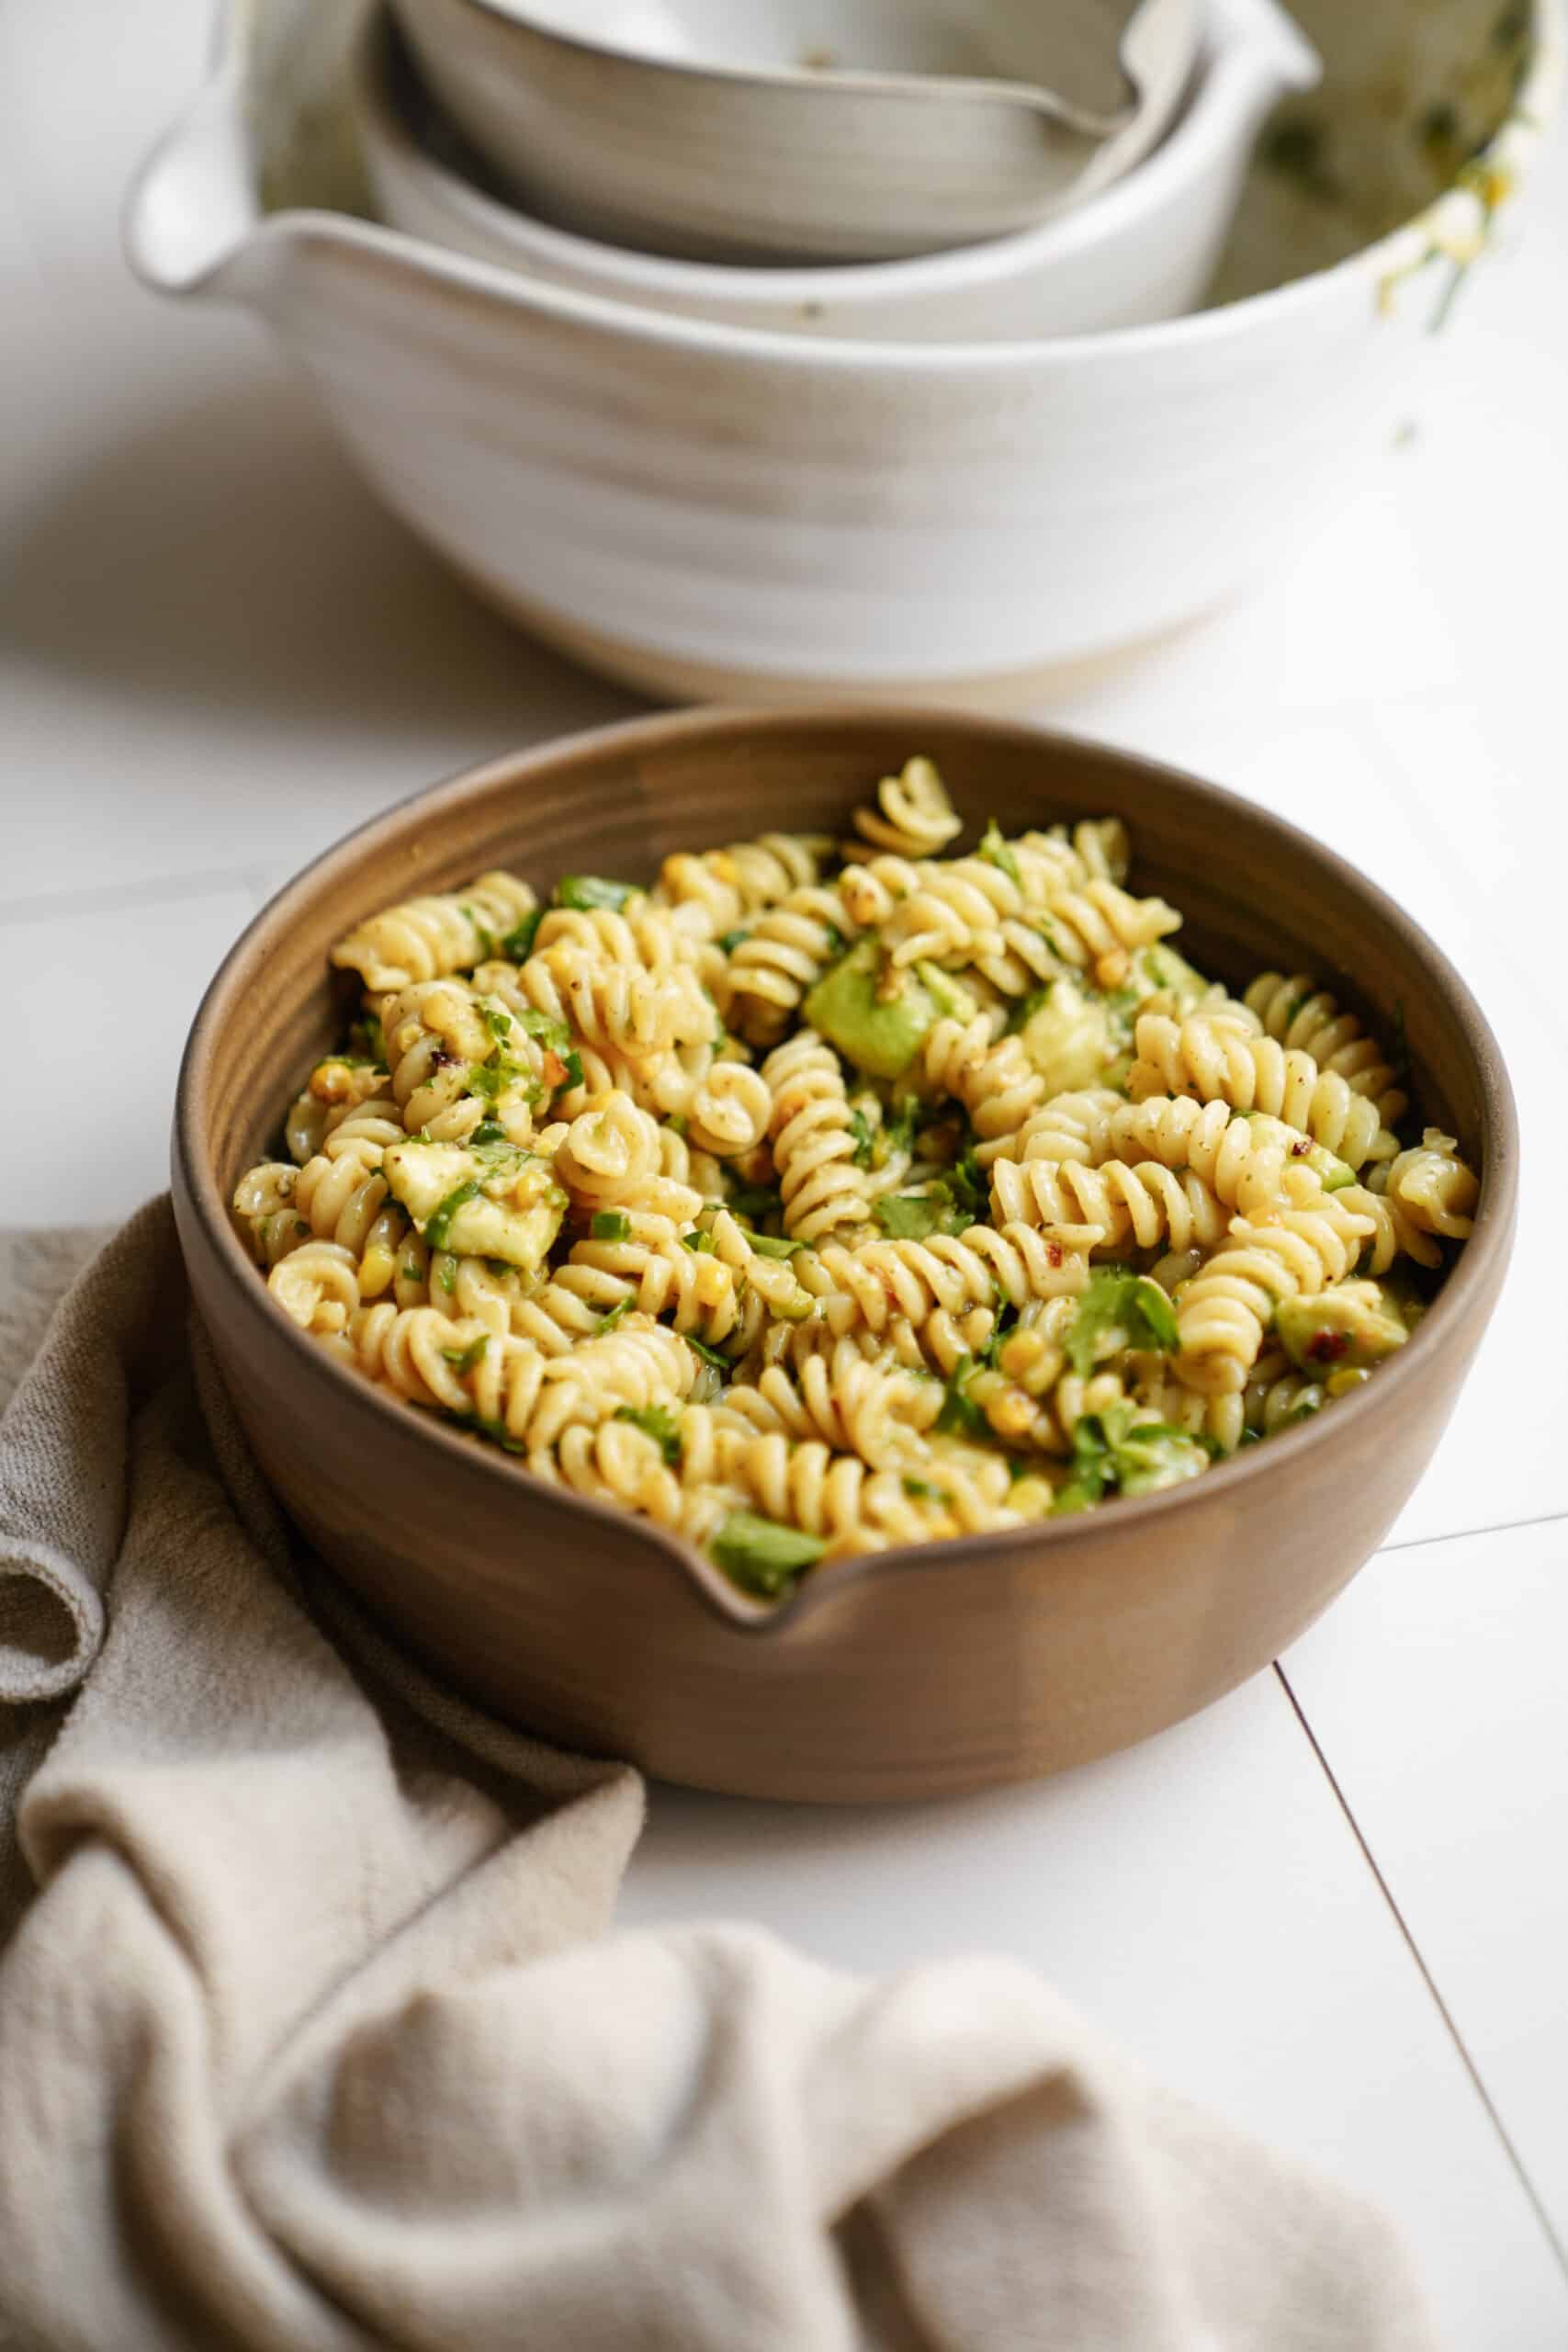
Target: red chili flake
(1327,1347)
(1300,1150)
(1054,1252)
(551,1067)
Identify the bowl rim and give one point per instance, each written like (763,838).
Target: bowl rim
(870,82)
(225,98)
(1221,67)
(1485,1254)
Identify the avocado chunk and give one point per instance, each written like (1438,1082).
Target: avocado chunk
(1350,1327)
(493,1202)
(760,1555)
(882,1035)
(1115,1450)
(1069,1037)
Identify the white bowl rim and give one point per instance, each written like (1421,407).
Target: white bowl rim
(1407,246)
(1220,70)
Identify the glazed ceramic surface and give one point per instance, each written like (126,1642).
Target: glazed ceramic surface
(768,131)
(939,1668)
(1145,249)
(713,509)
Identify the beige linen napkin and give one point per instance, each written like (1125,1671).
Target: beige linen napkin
(310,2035)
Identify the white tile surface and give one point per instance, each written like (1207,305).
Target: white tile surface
(216,655)
(104,1000)
(1204,1900)
(1437,1689)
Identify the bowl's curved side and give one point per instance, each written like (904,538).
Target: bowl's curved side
(1142,250)
(934,1670)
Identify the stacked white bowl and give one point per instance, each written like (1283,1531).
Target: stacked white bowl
(954,475)
(1139,246)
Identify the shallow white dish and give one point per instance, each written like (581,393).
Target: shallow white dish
(717,512)
(768,131)
(1145,249)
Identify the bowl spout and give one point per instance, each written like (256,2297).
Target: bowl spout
(192,207)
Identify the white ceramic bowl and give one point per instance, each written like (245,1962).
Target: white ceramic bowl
(1145,249)
(698,128)
(717,512)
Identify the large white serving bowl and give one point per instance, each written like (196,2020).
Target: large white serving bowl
(1145,249)
(709,511)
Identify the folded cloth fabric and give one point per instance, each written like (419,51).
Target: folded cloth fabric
(311,2034)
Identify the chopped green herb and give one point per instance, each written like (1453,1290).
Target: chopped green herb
(447,1273)
(573,1072)
(586,891)
(998,853)
(498,1023)
(923,1491)
(1092,1468)
(658,1423)
(518,945)
(464,1360)
(960,1416)
(709,1355)
(700,1243)
(487,1131)
(754,1203)
(762,1557)
(439,1224)
(617,1315)
(610,1225)
(732,940)
(1118,1300)
(367,1041)
(482,933)
(865,1136)
(908,1216)
(546,1028)
(773,1245)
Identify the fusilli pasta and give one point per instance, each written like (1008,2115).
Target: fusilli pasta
(813,1202)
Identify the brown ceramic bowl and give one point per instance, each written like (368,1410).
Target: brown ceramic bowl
(921,1671)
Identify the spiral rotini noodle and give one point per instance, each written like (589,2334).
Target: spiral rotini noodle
(1021,1211)
(425,938)
(1207,1057)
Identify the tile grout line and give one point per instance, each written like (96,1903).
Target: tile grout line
(1465,1534)
(1560,2251)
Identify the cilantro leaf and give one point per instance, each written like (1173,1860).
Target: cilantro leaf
(709,1355)
(960,1416)
(1118,1299)
(865,1134)
(658,1422)
(773,1245)
(998,853)
(439,1224)
(487,1131)
(464,1360)
(908,1216)
(586,891)
(518,945)
(1092,1468)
